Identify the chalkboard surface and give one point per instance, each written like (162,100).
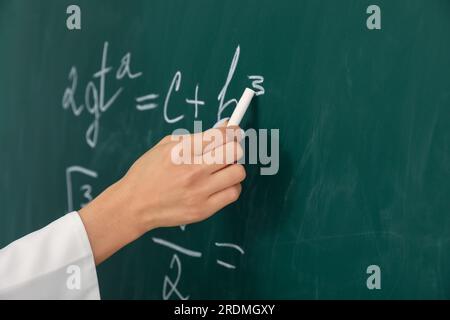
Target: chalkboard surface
(363,118)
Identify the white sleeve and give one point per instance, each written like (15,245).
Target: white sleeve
(55,262)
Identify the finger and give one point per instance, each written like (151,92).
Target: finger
(203,142)
(222,156)
(195,144)
(166,140)
(216,137)
(188,148)
(177,138)
(235,133)
(222,123)
(225,178)
(223,198)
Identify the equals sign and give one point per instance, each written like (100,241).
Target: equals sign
(145,102)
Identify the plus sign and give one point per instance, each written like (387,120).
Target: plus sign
(196,102)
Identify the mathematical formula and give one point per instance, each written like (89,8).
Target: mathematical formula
(95,100)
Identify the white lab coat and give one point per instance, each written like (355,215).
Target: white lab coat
(55,262)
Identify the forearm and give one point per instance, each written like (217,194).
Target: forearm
(110,222)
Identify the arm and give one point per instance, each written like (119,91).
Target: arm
(58,261)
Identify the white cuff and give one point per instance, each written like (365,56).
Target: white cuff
(55,262)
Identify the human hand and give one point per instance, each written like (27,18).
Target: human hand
(160,190)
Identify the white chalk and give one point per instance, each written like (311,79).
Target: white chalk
(241,107)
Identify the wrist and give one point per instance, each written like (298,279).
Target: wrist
(110,221)
(136,210)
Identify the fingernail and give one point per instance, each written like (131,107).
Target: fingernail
(221,122)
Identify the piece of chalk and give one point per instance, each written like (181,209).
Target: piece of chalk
(241,107)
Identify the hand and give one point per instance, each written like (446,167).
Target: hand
(158,191)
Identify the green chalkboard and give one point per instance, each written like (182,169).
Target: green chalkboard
(364,128)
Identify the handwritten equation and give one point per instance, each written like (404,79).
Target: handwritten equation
(96,100)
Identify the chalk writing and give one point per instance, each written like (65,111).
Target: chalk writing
(86,188)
